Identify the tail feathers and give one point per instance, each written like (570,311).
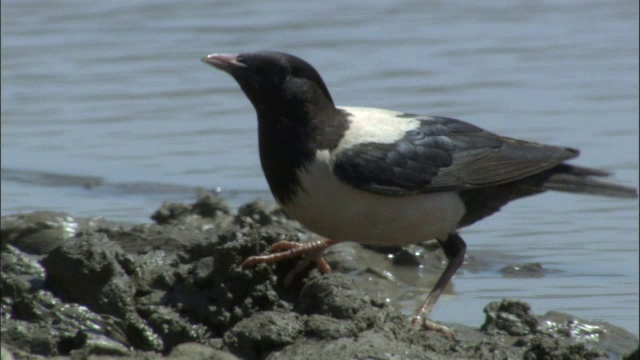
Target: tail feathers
(581,171)
(580,180)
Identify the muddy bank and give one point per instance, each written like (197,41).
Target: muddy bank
(79,288)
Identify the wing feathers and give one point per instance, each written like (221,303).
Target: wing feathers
(443,154)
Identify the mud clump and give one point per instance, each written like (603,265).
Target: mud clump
(175,289)
(509,317)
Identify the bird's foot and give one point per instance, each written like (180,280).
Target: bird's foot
(418,322)
(283,250)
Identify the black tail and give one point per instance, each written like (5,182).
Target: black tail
(575,179)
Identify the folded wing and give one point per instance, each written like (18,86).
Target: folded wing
(443,154)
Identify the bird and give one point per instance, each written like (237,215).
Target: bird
(383,177)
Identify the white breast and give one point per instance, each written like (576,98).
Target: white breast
(332,209)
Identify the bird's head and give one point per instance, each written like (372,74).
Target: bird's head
(275,82)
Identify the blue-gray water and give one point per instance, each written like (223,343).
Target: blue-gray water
(115,92)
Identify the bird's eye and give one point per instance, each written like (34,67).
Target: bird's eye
(240,59)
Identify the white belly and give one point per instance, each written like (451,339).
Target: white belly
(339,212)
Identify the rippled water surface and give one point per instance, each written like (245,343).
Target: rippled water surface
(107,110)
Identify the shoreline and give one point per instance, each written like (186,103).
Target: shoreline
(77,287)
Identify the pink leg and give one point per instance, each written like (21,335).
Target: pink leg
(311,251)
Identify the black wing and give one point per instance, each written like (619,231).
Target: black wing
(443,154)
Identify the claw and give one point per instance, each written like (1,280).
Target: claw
(284,250)
(418,322)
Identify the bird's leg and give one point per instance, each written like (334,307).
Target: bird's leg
(311,251)
(454,248)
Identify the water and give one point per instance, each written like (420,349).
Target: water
(107,110)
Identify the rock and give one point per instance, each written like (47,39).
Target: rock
(195,351)
(263,333)
(333,295)
(176,289)
(510,317)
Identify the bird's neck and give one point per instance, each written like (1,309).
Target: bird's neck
(288,144)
